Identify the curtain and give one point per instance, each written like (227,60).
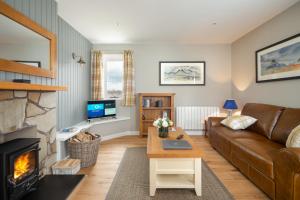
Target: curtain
(128,86)
(97,75)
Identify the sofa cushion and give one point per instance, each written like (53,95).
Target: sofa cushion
(266,115)
(221,138)
(288,120)
(257,153)
(238,122)
(294,138)
(231,134)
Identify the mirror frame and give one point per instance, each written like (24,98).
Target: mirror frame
(10,66)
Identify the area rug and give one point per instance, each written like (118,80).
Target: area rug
(132,182)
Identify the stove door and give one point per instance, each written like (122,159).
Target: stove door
(24,165)
(24,172)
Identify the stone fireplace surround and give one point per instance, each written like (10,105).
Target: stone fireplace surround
(30,114)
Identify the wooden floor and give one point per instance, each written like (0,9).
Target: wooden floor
(100,176)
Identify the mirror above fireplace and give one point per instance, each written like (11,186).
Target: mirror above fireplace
(22,45)
(25,46)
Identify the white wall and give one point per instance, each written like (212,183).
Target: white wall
(146,62)
(244,88)
(230,69)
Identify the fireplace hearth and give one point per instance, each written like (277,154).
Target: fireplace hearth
(19,168)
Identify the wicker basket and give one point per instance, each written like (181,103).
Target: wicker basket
(87,152)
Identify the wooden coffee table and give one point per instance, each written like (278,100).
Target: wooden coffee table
(173,168)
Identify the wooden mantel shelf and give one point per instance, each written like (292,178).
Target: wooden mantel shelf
(31,87)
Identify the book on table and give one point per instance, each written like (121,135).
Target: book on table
(176,144)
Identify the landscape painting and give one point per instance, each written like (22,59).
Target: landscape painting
(280,61)
(182,73)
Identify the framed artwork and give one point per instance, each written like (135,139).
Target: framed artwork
(32,63)
(181,73)
(279,61)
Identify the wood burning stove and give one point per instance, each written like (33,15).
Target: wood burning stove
(19,168)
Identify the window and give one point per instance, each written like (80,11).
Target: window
(113,75)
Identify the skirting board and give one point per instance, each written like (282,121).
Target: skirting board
(127,133)
(117,135)
(194,132)
(61,149)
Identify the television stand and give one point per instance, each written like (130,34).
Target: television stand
(62,137)
(101,119)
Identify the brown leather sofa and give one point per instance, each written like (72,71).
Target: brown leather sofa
(259,152)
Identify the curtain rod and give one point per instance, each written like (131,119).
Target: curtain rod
(110,51)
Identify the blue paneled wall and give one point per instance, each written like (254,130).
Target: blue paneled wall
(71,104)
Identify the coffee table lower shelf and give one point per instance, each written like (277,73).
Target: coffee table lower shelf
(175,173)
(175,181)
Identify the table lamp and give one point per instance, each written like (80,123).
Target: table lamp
(230,105)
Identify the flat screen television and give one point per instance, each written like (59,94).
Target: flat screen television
(101,109)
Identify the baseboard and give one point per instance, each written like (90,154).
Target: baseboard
(195,132)
(121,134)
(127,133)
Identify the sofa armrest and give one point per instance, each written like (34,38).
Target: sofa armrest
(214,121)
(287,173)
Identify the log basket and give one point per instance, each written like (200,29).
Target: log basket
(87,152)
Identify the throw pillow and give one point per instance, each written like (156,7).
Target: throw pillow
(294,138)
(238,122)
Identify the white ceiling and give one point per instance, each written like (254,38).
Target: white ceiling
(168,21)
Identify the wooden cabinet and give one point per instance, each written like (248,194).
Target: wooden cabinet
(152,106)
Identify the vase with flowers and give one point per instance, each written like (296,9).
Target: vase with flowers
(163,125)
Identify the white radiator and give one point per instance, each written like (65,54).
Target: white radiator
(192,117)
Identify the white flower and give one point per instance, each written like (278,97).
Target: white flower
(171,123)
(165,124)
(155,123)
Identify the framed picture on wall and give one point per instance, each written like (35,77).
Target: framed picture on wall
(182,73)
(279,61)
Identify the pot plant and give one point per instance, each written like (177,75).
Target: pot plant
(163,125)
